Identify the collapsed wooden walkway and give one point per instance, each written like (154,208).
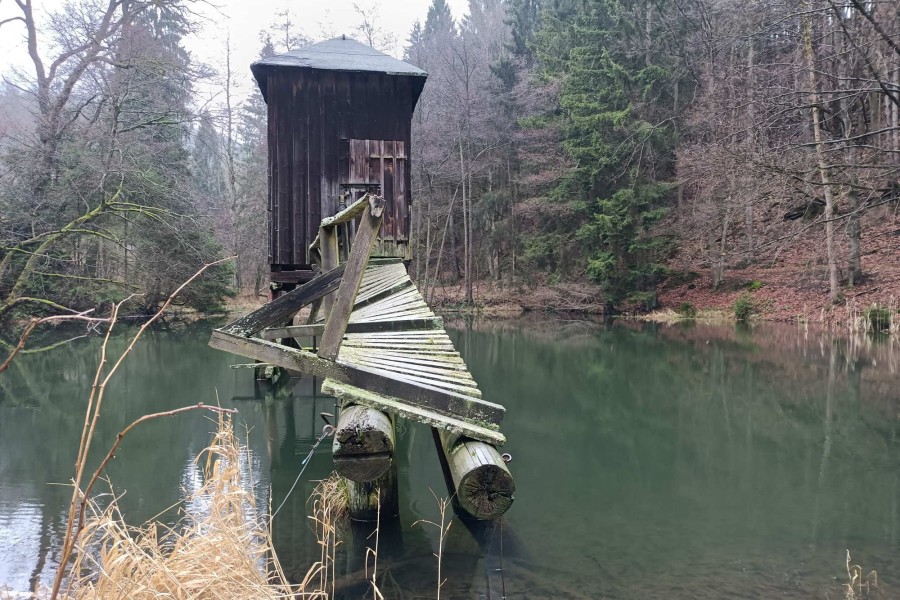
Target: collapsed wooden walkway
(381,347)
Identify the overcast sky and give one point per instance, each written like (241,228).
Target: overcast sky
(243,20)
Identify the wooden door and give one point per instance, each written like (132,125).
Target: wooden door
(384,162)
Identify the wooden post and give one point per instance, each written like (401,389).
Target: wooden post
(476,475)
(364,443)
(328,247)
(365,497)
(336,325)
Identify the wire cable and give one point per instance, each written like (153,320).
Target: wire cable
(327,431)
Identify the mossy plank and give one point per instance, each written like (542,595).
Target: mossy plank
(403,326)
(283,308)
(418,395)
(479,430)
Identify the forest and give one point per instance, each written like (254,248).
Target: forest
(612,155)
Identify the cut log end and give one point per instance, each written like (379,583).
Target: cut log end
(486,492)
(482,483)
(363,445)
(363,468)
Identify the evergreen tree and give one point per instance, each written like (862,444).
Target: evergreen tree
(173,238)
(208,174)
(523,18)
(439,20)
(618,140)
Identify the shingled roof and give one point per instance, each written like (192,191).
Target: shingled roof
(339,54)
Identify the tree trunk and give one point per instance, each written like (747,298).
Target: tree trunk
(815,100)
(748,209)
(854,235)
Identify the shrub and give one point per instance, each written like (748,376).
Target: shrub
(647,301)
(687,310)
(755,285)
(878,319)
(743,307)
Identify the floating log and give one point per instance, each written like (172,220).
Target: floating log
(367,496)
(476,475)
(363,447)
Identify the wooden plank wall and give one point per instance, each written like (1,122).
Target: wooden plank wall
(312,117)
(384,162)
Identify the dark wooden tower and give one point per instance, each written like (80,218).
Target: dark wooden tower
(340,117)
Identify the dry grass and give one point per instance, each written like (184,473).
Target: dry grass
(443,527)
(225,552)
(667,316)
(859,318)
(858,585)
(329,509)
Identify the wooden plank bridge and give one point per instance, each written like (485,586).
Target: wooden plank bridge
(384,354)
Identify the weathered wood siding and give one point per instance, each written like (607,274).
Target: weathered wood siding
(384,162)
(313,116)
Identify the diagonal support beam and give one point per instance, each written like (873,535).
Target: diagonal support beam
(363,244)
(281,309)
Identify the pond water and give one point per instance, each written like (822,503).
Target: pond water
(650,461)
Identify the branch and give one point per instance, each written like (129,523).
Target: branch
(27,299)
(850,38)
(121,435)
(862,10)
(5,21)
(33,323)
(30,265)
(92,415)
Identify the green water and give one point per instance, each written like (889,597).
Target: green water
(650,462)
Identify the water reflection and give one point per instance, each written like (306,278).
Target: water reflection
(650,461)
(42,401)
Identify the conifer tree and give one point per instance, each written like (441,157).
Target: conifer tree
(620,143)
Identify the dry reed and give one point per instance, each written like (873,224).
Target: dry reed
(863,319)
(221,550)
(224,552)
(858,586)
(329,508)
(443,528)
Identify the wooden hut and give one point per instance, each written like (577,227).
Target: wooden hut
(340,117)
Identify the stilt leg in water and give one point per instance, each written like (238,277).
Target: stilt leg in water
(476,475)
(365,497)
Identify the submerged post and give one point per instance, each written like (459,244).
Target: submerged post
(363,450)
(368,499)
